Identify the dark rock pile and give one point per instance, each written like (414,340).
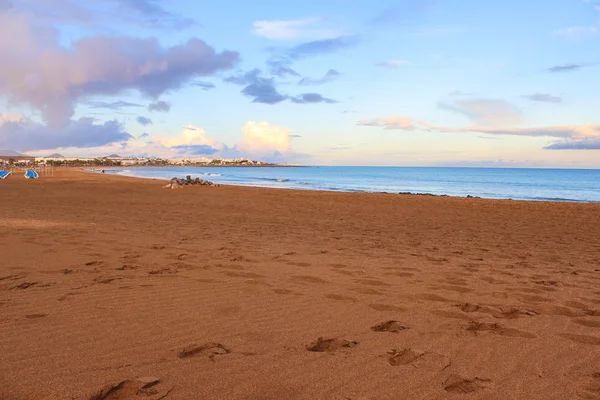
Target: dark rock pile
(423,194)
(434,195)
(177,183)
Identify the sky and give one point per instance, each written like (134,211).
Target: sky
(508,83)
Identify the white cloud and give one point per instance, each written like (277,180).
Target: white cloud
(190,136)
(259,141)
(307,28)
(392,63)
(264,138)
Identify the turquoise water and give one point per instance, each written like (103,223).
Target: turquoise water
(496,183)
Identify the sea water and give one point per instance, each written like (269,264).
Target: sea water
(494,183)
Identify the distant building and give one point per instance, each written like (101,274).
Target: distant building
(8,156)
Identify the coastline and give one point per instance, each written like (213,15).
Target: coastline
(406,193)
(108,279)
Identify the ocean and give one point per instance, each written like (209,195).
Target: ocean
(495,183)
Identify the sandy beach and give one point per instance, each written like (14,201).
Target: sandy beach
(115,288)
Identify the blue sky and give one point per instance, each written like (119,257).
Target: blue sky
(415,82)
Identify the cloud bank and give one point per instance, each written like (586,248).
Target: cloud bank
(25,135)
(496,117)
(38,71)
(258,141)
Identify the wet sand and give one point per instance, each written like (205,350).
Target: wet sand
(115,283)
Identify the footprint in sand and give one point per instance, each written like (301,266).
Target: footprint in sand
(163,271)
(234,267)
(127,267)
(298,264)
(241,274)
(66,296)
(210,350)
(12,277)
(130,257)
(417,359)
(104,280)
(340,297)
(548,283)
(390,326)
(512,313)
(24,285)
(476,327)
(241,258)
(35,316)
(308,279)
(404,356)
(95,263)
(458,384)
(591,312)
(147,388)
(332,345)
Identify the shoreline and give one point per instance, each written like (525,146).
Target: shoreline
(421,194)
